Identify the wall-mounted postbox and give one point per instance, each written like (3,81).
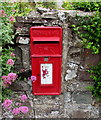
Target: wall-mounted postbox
(46,59)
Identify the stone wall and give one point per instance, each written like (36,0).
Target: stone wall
(75,101)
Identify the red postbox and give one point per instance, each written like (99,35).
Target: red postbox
(46,59)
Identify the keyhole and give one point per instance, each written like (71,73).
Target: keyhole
(46,59)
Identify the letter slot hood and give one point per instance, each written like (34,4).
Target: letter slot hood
(40,39)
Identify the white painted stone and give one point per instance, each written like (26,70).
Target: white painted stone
(55,112)
(71,74)
(23,41)
(68,71)
(67,97)
(73,66)
(61,16)
(52,15)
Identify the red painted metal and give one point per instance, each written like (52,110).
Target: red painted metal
(46,59)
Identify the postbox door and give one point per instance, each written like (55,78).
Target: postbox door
(48,75)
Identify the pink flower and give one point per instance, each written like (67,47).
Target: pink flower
(13,10)
(14,1)
(23,97)
(6,81)
(18,28)
(9,79)
(32,78)
(4,85)
(10,62)
(24,109)
(4,77)
(16,111)
(12,54)
(7,103)
(2,13)
(18,104)
(11,18)
(12,76)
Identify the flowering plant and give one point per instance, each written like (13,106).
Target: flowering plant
(7,13)
(17,107)
(7,80)
(7,60)
(32,78)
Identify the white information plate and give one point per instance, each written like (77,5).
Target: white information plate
(46,73)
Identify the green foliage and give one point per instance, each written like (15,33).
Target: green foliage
(11,10)
(6,69)
(23,8)
(84,6)
(6,33)
(96,76)
(50,5)
(6,94)
(6,54)
(7,13)
(89,30)
(67,5)
(87,6)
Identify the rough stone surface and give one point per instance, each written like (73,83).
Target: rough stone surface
(48,111)
(20,86)
(70,75)
(23,40)
(88,59)
(18,62)
(74,85)
(23,31)
(82,97)
(73,13)
(84,76)
(75,101)
(26,19)
(25,56)
(67,105)
(42,10)
(80,114)
(49,15)
(34,14)
(62,16)
(72,71)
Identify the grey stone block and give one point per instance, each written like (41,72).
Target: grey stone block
(20,86)
(82,97)
(48,111)
(80,114)
(49,15)
(49,100)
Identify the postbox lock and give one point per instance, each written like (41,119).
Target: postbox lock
(46,58)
